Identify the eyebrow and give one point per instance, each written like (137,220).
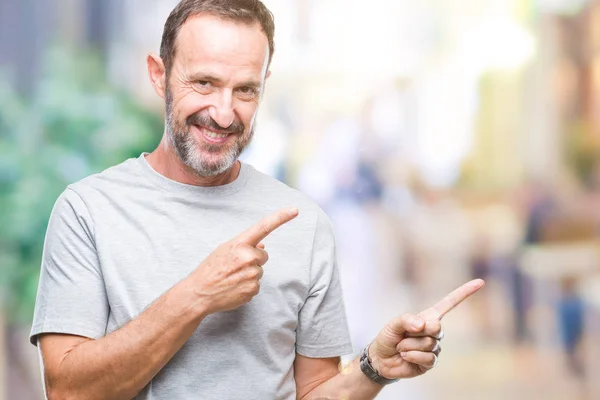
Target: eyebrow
(199,76)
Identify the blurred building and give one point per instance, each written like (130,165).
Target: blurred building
(29,27)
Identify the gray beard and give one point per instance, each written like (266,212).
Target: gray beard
(189,153)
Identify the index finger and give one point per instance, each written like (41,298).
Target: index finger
(255,234)
(453,299)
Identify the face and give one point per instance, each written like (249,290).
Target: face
(213,91)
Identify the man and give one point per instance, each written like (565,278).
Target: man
(152,282)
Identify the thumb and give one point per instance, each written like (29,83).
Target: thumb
(389,337)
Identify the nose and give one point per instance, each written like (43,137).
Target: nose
(222,111)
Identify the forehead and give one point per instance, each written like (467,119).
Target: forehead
(208,41)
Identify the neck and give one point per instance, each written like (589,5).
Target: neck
(165,161)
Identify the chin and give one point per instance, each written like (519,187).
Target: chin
(210,165)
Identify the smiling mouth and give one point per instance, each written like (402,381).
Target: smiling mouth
(212,136)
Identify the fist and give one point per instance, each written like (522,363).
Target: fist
(406,347)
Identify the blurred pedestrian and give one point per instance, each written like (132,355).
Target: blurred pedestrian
(570,310)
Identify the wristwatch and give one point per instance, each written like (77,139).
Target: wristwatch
(367,368)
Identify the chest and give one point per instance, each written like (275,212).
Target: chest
(144,253)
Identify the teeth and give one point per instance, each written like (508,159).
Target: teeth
(214,135)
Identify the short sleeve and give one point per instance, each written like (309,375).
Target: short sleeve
(71,296)
(322,327)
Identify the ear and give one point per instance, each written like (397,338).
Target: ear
(156,72)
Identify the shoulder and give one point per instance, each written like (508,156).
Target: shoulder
(78,199)
(120,175)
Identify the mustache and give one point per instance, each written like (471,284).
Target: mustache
(208,122)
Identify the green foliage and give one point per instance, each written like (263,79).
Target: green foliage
(76,124)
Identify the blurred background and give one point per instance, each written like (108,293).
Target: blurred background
(446,139)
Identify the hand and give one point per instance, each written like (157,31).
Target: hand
(408,346)
(230,276)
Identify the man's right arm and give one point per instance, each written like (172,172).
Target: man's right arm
(121,364)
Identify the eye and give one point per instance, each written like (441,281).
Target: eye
(247,91)
(203,83)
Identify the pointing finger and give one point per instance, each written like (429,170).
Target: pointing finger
(255,234)
(453,299)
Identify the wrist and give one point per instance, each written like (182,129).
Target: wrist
(197,305)
(374,357)
(369,365)
(373,354)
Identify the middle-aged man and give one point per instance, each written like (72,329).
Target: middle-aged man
(152,282)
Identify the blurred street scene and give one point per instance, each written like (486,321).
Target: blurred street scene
(446,140)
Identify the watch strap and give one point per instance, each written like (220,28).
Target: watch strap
(367,368)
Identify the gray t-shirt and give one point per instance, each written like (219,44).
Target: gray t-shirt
(118,240)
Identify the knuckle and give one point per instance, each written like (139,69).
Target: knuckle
(248,293)
(432,358)
(245,297)
(404,346)
(436,326)
(254,273)
(243,256)
(249,259)
(250,290)
(251,274)
(234,279)
(431,343)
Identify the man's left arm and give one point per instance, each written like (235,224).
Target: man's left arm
(406,347)
(320,378)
